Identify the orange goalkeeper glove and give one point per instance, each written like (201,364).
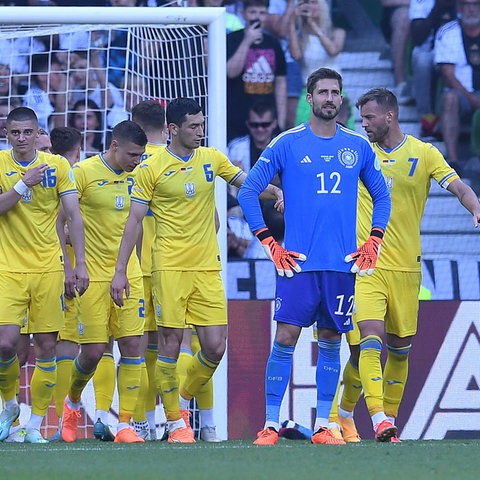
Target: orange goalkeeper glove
(284,260)
(367,255)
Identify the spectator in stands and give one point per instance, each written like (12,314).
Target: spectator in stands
(261,124)
(86,116)
(4,111)
(239,235)
(4,80)
(256,69)
(244,152)
(280,13)
(117,54)
(313,41)
(87,78)
(426,17)
(47,95)
(456,53)
(395,26)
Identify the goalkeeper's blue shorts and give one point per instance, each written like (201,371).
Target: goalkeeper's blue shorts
(321,298)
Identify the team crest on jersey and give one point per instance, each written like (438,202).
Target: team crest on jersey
(278,304)
(389,182)
(348,157)
(27,196)
(190,189)
(119,202)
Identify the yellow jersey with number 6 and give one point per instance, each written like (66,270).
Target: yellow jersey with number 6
(181,194)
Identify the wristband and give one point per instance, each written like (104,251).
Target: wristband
(21,188)
(263,233)
(377,232)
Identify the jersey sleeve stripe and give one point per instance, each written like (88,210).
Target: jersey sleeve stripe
(69,192)
(139,200)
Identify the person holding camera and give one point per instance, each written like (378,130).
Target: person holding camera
(314,41)
(256,69)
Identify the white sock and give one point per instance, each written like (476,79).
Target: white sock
(73,405)
(151,420)
(270,424)
(102,415)
(378,418)
(206,418)
(10,404)
(345,413)
(122,425)
(320,422)
(139,426)
(35,422)
(175,425)
(184,404)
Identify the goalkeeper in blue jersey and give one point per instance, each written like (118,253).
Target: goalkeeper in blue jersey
(320,164)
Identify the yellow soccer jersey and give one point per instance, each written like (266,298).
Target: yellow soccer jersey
(181,195)
(407,169)
(148,222)
(28,235)
(104,203)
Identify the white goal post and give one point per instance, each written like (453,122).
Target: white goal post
(13,19)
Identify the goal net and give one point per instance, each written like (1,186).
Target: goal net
(90,74)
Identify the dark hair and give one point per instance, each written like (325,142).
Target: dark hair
(128,131)
(178,109)
(149,114)
(42,62)
(89,104)
(255,3)
(321,74)
(384,97)
(65,139)
(22,114)
(263,106)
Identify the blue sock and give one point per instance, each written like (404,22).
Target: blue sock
(327,375)
(279,367)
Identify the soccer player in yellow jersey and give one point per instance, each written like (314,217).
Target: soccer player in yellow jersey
(150,115)
(178,184)
(104,183)
(33,185)
(387,302)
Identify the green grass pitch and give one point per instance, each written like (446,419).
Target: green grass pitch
(240,460)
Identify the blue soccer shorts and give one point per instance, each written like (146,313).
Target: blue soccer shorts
(322,298)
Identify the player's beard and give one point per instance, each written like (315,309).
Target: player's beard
(320,113)
(379,134)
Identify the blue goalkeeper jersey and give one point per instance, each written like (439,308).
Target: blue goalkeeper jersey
(320,179)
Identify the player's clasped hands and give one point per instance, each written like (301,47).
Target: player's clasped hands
(367,255)
(34,175)
(284,260)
